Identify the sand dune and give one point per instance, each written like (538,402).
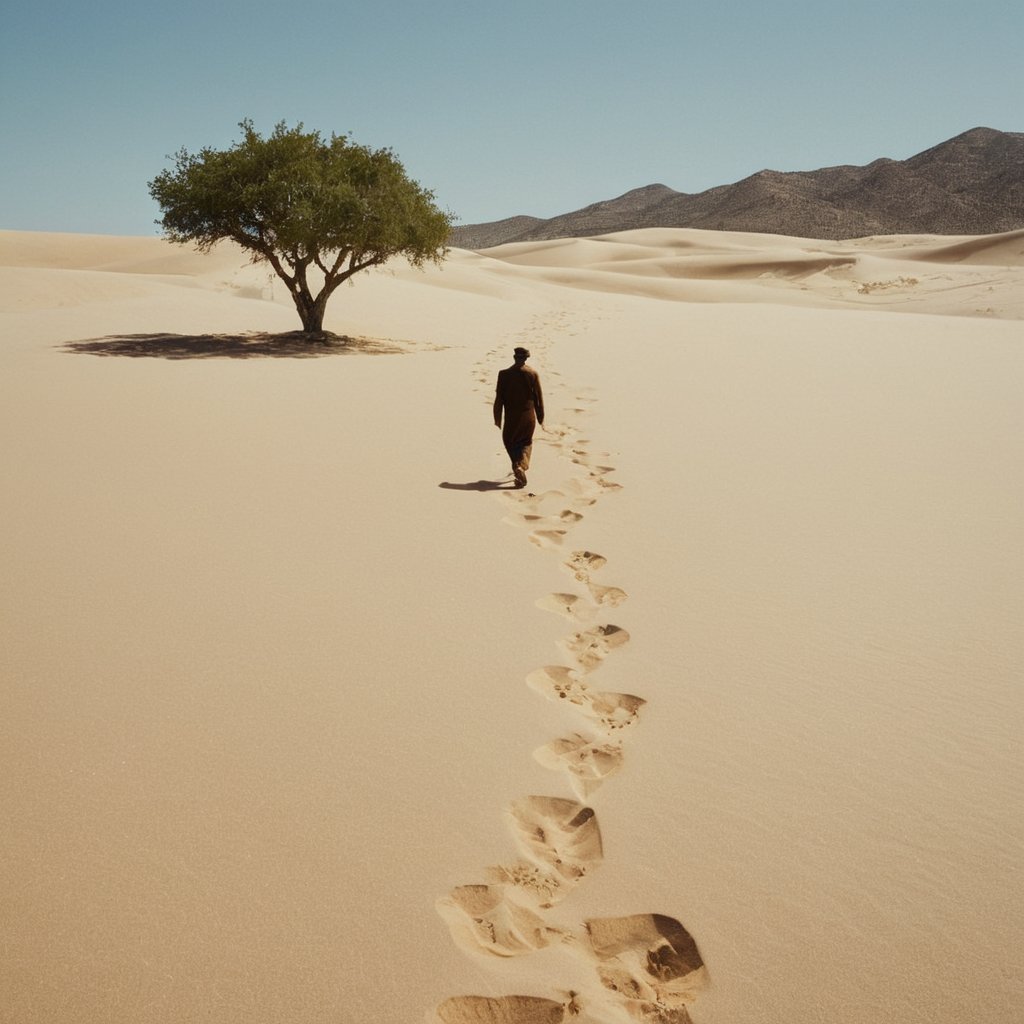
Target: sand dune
(309,716)
(1006,250)
(689,266)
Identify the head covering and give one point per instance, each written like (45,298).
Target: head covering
(523,353)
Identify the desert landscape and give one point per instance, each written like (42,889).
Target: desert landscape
(311,717)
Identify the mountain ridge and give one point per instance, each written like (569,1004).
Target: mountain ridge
(972,183)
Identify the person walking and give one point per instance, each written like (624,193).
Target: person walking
(519,397)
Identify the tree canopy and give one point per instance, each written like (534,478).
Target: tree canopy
(310,208)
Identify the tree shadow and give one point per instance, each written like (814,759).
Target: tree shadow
(480,485)
(252,345)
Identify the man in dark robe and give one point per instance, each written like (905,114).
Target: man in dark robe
(520,398)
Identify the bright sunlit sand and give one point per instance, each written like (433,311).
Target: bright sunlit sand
(309,717)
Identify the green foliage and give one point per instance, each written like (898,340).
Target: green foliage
(297,201)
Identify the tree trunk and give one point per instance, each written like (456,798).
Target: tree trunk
(311,312)
(312,319)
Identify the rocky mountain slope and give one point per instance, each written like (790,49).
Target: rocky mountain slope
(970,184)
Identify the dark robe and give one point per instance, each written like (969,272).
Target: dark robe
(520,398)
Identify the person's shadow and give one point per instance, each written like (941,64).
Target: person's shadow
(480,485)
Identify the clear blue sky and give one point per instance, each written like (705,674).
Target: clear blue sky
(502,108)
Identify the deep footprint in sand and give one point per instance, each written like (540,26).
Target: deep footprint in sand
(582,563)
(534,520)
(541,888)
(613,711)
(582,458)
(547,538)
(609,597)
(555,507)
(503,1010)
(559,835)
(587,491)
(526,518)
(556,682)
(591,646)
(588,762)
(544,503)
(560,431)
(481,919)
(650,961)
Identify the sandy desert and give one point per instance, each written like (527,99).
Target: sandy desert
(311,718)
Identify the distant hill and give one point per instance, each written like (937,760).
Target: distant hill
(972,184)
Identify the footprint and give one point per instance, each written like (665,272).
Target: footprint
(610,597)
(570,605)
(540,887)
(587,461)
(561,835)
(592,646)
(588,762)
(567,517)
(503,1010)
(560,430)
(546,503)
(612,710)
(529,517)
(586,490)
(556,682)
(547,538)
(582,563)
(615,710)
(649,960)
(481,919)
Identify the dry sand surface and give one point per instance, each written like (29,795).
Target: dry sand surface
(308,717)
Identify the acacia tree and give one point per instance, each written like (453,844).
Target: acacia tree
(308,207)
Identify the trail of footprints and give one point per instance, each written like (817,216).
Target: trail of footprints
(646,967)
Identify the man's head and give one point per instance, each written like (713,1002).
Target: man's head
(520,354)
